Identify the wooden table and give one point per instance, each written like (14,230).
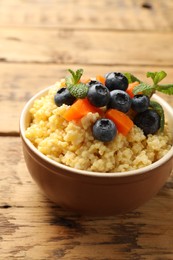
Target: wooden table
(39,41)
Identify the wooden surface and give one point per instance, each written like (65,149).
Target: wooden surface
(39,41)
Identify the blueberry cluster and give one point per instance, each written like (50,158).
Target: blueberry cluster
(113,95)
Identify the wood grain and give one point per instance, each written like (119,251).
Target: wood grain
(31,227)
(21,82)
(39,41)
(86,47)
(100,14)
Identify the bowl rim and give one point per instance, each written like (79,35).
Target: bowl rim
(140,171)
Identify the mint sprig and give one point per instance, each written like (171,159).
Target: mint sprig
(74,78)
(156,76)
(76,89)
(150,89)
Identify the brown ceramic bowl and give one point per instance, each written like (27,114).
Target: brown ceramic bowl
(93,193)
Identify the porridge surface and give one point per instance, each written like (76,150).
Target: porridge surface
(72,143)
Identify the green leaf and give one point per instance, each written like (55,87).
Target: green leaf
(78,75)
(131,78)
(156,76)
(79,90)
(158,108)
(74,77)
(151,75)
(145,88)
(159,76)
(166,89)
(72,73)
(69,81)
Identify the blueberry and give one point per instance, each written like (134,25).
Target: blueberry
(148,121)
(92,82)
(63,96)
(116,80)
(120,100)
(98,95)
(107,74)
(104,130)
(140,103)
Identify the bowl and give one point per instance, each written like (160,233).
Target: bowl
(94,193)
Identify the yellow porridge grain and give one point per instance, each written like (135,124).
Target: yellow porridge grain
(73,144)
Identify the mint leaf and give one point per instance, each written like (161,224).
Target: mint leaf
(72,73)
(145,88)
(166,89)
(77,75)
(151,75)
(69,81)
(158,108)
(79,90)
(159,76)
(74,77)
(156,76)
(131,78)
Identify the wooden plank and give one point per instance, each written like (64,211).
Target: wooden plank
(31,227)
(86,47)
(97,14)
(19,82)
